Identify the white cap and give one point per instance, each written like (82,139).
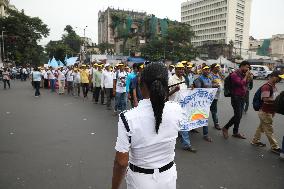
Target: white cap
(107,64)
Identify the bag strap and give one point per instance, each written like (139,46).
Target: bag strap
(271,88)
(122,116)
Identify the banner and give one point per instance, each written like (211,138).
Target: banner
(196,104)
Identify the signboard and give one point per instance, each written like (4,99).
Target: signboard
(196,104)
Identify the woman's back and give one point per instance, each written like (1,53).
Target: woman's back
(149,149)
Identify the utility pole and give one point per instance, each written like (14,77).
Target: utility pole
(3,48)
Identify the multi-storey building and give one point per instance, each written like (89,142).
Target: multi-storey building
(127,31)
(218,20)
(277,46)
(106,34)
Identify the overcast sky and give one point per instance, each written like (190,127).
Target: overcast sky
(266,17)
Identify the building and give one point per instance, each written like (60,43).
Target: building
(277,47)
(218,20)
(4,5)
(106,23)
(127,31)
(255,44)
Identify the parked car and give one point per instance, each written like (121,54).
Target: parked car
(259,71)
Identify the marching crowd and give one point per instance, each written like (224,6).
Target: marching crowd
(147,84)
(122,83)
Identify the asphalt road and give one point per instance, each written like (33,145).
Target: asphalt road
(60,142)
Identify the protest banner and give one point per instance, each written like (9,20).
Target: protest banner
(196,104)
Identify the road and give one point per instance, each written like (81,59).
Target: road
(60,142)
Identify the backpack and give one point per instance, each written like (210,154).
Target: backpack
(257,101)
(279,103)
(227,86)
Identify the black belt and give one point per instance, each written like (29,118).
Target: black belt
(134,168)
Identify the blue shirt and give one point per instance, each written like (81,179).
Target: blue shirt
(128,80)
(203,82)
(134,85)
(37,76)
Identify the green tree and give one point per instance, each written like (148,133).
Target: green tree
(106,47)
(21,37)
(58,50)
(176,45)
(71,39)
(70,45)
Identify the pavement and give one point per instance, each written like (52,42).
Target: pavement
(62,142)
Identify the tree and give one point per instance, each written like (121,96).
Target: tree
(71,39)
(70,44)
(22,33)
(58,50)
(106,48)
(176,45)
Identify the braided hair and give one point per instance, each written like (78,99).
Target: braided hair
(155,77)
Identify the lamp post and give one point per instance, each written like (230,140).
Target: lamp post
(82,57)
(3,48)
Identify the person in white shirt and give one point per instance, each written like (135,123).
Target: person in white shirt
(45,77)
(61,81)
(77,82)
(70,80)
(36,79)
(41,69)
(147,136)
(52,78)
(107,84)
(119,89)
(177,82)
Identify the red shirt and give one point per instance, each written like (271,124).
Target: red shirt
(239,83)
(266,93)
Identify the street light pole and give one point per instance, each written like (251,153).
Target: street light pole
(3,48)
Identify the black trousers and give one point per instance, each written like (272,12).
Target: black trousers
(45,83)
(6,82)
(37,86)
(85,88)
(246,102)
(238,106)
(97,93)
(108,96)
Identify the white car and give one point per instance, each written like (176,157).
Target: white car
(259,71)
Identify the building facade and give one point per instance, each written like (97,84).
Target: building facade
(255,44)
(218,20)
(106,34)
(277,47)
(4,5)
(127,31)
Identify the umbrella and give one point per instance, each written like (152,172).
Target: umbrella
(53,63)
(60,63)
(71,61)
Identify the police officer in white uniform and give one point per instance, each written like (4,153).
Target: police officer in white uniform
(147,136)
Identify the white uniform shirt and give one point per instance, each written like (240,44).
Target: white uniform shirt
(174,80)
(148,149)
(107,79)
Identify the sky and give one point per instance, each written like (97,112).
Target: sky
(266,15)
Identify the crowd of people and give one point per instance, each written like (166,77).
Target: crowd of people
(146,141)
(152,88)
